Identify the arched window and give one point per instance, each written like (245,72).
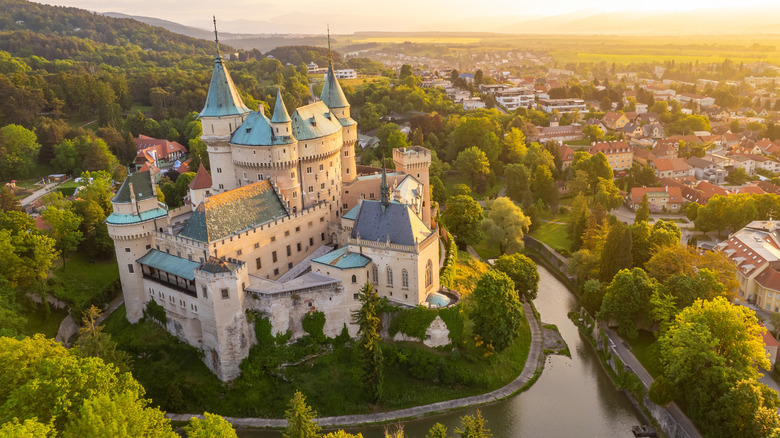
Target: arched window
(375,274)
(354,279)
(429,273)
(405,279)
(389,276)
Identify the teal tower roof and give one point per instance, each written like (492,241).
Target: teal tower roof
(223,98)
(280,111)
(332,94)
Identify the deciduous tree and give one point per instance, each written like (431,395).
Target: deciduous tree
(473,163)
(18,151)
(505,224)
(523,273)
(463,218)
(627,300)
(497,312)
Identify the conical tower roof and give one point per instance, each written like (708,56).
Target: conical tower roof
(280,111)
(332,94)
(223,98)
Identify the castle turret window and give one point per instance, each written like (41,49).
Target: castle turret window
(389,276)
(405,279)
(130,269)
(225,294)
(429,273)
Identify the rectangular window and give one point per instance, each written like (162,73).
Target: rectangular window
(259,176)
(276,271)
(299,246)
(130,269)
(238,253)
(297,229)
(289,250)
(148,246)
(286,233)
(225,294)
(308,170)
(322,186)
(273,238)
(311,241)
(204,291)
(257,245)
(258,263)
(322,167)
(292,175)
(289,265)
(127,249)
(311,189)
(273,256)
(322,236)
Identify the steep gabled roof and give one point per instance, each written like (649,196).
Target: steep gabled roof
(236,210)
(223,98)
(142,188)
(395,222)
(332,94)
(202,179)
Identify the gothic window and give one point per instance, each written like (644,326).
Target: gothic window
(389,276)
(405,279)
(375,274)
(429,273)
(354,279)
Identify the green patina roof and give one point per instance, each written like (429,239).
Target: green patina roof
(332,94)
(313,121)
(123,219)
(352,214)
(347,121)
(239,209)
(343,259)
(280,111)
(256,131)
(142,187)
(169,263)
(223,98)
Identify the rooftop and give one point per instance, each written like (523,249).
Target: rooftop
(169,263)
(343,259)
(222,98)
(142,188)
(395,223)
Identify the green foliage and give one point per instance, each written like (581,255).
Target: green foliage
(523,273)
(617,251)
(370,342)
(107,415)
(463,217)
(447,272)
(662,391)
(474,163)
(518,185)
(313,324)
(412,322)
(155,312)
(496,311)
(505,224)
(643,210)
(579,221)
(438,430)
(455,320)
(300,419)
(211,426)
(30,428)
(592,296)
(543,187)
(627,300)
(473,427)
(18,151)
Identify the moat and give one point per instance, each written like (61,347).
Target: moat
(572,396)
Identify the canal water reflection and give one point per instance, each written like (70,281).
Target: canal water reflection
(573,397)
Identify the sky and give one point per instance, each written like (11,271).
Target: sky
(346,16)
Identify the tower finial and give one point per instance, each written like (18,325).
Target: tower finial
(330,54)
(216,37)
(384,190)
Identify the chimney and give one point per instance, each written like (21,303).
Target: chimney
(261,108)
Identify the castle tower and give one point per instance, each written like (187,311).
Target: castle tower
(223,112)
(137,215)
(333,96)
(281,123)
(416,161)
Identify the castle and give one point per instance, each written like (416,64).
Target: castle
(285,225)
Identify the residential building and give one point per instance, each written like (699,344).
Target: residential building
(654,130)
(562,105)
(643,156)
(660,199)
(672,168)
(515,98)
(614,121)
(558,133)
(707,170)
(698,100)
(619,154)
(567,156)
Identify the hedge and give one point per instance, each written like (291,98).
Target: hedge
(447,272)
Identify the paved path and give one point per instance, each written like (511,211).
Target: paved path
(473,253)
(534,362)
(118,301)
(38,194)
(631,362)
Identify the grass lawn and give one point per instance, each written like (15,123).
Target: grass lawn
(487,251)
(583,142)
(82,280)
(68,188)
(645,349)
(467,272)
(554,235)
(41,321)
(176,379)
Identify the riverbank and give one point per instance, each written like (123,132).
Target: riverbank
(532,369)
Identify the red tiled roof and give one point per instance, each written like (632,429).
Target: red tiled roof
(610,147)
(202,179)
(674,193)
(162,147)
(769,340)
(752,189)
(567,153)
(674,164)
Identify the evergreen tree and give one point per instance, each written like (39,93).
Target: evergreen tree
(300,419)
(473,427)
(437,431)
(579,221)
(369,324)
(617,251)
(643,210)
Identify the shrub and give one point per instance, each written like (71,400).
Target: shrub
(155,312)
(447,273)
(412,322)
(313,324)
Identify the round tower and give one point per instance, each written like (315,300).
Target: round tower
(137,215)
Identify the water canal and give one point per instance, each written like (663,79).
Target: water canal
(573,397)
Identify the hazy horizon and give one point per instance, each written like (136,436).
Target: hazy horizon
(348,16)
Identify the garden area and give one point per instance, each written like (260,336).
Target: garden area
(326,370)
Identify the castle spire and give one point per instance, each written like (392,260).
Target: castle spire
(332,94)
(280,111)
(216,37)
(330,53)
(383,189)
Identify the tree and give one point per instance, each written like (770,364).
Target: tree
(496,312)
(473,427)
(514,146)
(463,218)
(627,300)
(544,187)
(664,233)
(119,415)
(580,184)
(300,419)
(8,201)
(211,426)
(64,225)
(438,430)
(593,133)
(738,176)
(18,151)
(592,296)
(709,348)
(607,194)
(27,429)
(406,71)
(369,340)
(523,273)
(198,154)
(641,249)
(438,190)
(671,260)
(579,220)
(505,224)
(473,163)
(692,211)
(518,185)
(617,251)
(643,210)
(93,342)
